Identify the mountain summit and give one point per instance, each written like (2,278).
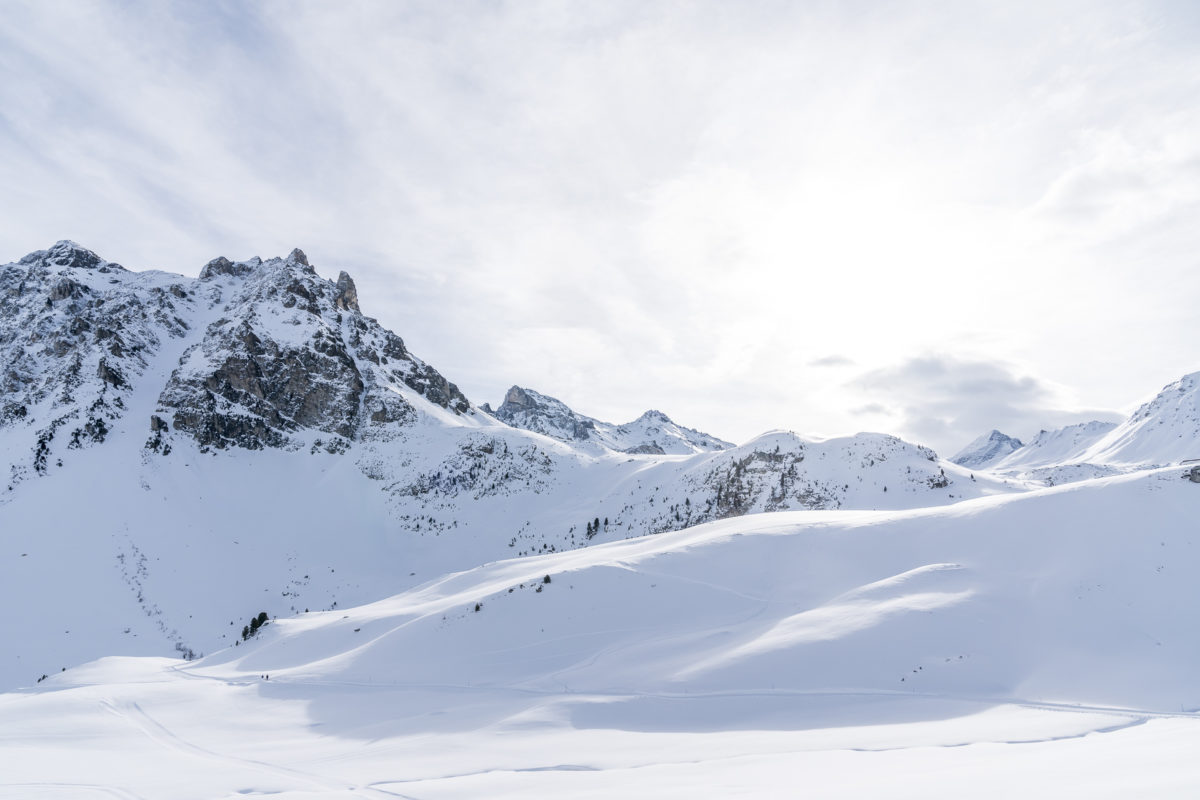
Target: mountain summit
(987,449)
(653,433)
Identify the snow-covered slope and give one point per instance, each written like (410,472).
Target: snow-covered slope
(1076,594)
(188,452)
(653,433)
(1059,446)
(860,649)
(1059,456)
(987,449)
(1162,431)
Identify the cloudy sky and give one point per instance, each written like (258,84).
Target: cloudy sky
(927,218)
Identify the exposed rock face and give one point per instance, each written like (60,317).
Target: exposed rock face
(653,433)
(525,408)
(223,266)
(291,354)
(347,295)
(278,357)
(650,449)
(76,335)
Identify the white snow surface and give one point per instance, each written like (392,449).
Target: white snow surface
(1038,643)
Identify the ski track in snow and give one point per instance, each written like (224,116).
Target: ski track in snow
(133,714)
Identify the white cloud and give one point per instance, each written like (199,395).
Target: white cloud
(629,204)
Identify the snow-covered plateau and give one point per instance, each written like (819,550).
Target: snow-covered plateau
(462,602)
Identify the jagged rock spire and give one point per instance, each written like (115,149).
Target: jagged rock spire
(347,295)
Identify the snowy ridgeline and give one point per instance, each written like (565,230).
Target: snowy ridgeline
(861,650)
(1165,430)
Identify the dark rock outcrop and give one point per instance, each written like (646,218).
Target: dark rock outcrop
(284,359)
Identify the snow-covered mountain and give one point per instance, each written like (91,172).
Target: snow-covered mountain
(987,449)
(653,433)
(185,452)
(1061,445)
(1162,431)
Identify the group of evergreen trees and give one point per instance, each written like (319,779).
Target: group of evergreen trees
(255,624)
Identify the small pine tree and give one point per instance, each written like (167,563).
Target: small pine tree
(546,579)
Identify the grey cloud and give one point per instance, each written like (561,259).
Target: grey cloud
(872,409)
(834,360)
(945,402)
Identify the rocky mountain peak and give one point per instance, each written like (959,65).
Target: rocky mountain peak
(517,398)
(68,254)
(987,449)
(282,364)
(297,257)
(653,433)
(525,408)
(223,266)
(346,297)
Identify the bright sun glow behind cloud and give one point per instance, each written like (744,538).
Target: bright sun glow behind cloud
(751,215)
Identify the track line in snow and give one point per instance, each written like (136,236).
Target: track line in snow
(71,790)
(136,716)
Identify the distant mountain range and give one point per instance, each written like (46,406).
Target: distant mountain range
(1163,431)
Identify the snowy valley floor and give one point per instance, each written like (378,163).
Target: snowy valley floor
(1034,645)
(149,728)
